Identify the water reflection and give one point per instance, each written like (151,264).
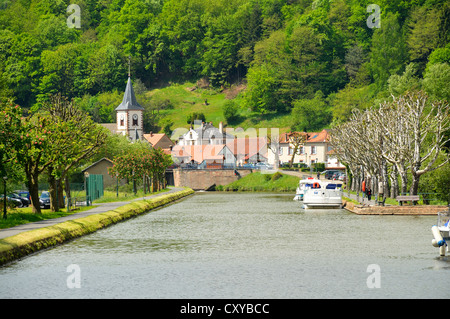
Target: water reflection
(250,245)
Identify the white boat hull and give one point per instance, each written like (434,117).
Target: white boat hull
(322,198)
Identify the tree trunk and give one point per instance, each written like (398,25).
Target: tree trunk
(394,182)
(33,188)
(67,188)
(414,185)
(385,179)
(60,188)
(52,188)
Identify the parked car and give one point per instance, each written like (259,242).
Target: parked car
(25,194)
(336,176)
(12,201)
(44,200)
(343,177)
(329,174)
(25,202)
(261,165)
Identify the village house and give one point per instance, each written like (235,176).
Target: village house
(101,167)
(316,149)
(205,134)
(215,156)
(159,140)
(234,151)
(249,149)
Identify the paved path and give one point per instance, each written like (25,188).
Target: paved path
(97,209)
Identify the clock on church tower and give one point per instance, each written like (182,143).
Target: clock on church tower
(130,115)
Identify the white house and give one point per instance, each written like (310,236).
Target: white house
(205,134)
(316,149)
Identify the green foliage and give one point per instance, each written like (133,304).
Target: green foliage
(310,115)
(408,81)
(436,80)
(276,176)
(230,111)
(196,116)
(142,161)
(388,51)
(285,51)
(436,184)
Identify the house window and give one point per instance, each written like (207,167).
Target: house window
(300,150)
(280,151)
(313,150)
(290,150)
(122,122)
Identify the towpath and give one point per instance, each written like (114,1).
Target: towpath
(97,209)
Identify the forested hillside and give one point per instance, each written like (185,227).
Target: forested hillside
(314,59)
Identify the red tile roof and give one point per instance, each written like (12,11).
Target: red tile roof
(198,153)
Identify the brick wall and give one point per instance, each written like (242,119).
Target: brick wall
(202,179)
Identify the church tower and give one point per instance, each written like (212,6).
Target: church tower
(130,115)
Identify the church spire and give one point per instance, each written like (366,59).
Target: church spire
(129,101)
(129,66)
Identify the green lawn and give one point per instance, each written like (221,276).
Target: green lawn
(263,182)
(20,216)
(186,101)
(111,196)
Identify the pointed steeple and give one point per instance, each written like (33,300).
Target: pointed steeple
(129,101)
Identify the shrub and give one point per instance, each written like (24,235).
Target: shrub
(276,176)
(230,110)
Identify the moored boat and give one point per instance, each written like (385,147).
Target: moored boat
(441,232)
(303,185)
(323,195)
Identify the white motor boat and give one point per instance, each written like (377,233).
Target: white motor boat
(303,185)
(323,195)
(441,232)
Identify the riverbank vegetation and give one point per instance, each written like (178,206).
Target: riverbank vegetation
(315,59)
(20,216)
(298,65)
(263,182)
(403,139)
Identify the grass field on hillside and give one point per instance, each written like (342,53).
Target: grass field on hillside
(186,100)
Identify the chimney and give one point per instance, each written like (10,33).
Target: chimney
(151,133)
(221,127)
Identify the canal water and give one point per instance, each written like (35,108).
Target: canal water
(240,245)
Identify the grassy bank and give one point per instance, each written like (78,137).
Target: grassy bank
(258,182)
(20,216)
(31,241)
(112,196)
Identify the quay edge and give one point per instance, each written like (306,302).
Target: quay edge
(23,244)
(417,210)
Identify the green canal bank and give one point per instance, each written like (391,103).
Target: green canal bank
(18,242)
